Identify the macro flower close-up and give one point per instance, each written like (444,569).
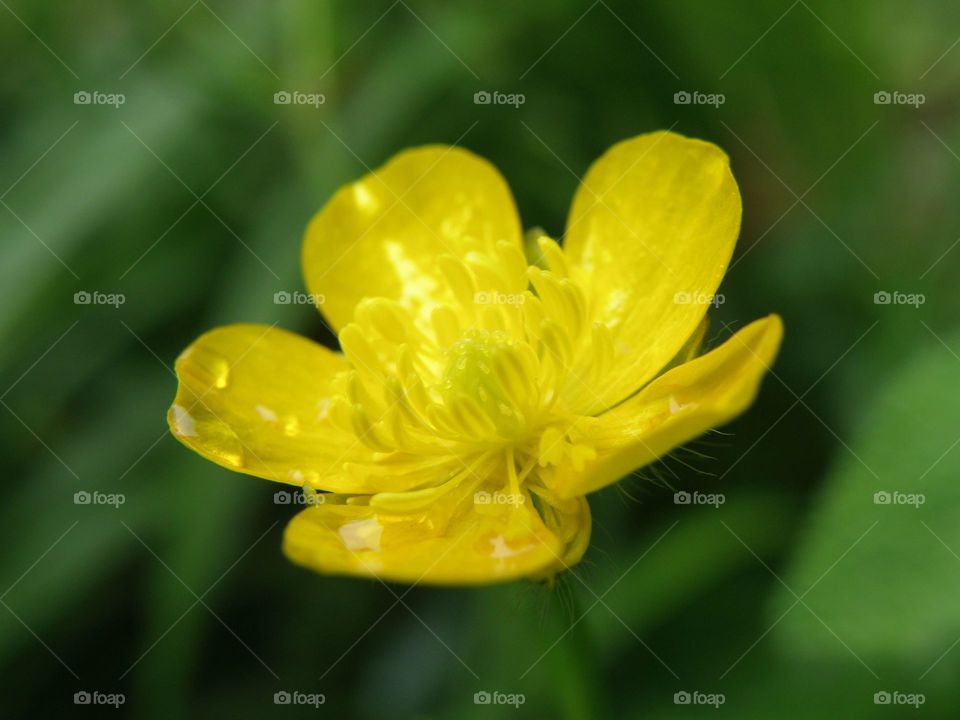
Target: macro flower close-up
(488,378)
(477,360)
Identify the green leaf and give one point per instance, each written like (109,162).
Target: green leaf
(881,575)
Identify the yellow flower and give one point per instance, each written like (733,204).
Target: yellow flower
(481,393)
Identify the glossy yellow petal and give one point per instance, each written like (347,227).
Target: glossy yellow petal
(676,407)
(570,520)
(382,235)
(479,544)
(253,398)
(653,225)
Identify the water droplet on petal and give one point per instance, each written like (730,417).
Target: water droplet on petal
(311,480)
(220,371)
(291,425)
(233,459)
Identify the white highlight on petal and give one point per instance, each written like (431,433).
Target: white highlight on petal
(266,413)
(676,407)
(362,534)
(322,405)
(502,550)
(183,421)
(364,199)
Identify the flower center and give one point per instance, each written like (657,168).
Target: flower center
(494,373)
(504,367)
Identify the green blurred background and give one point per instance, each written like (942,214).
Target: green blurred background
(801,596)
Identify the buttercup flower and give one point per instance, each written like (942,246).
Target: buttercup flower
(482,391)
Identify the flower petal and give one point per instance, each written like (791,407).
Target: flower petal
(381,236)
(253,398)
(653,225)
(676,407)
(571,521)
(477,545)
